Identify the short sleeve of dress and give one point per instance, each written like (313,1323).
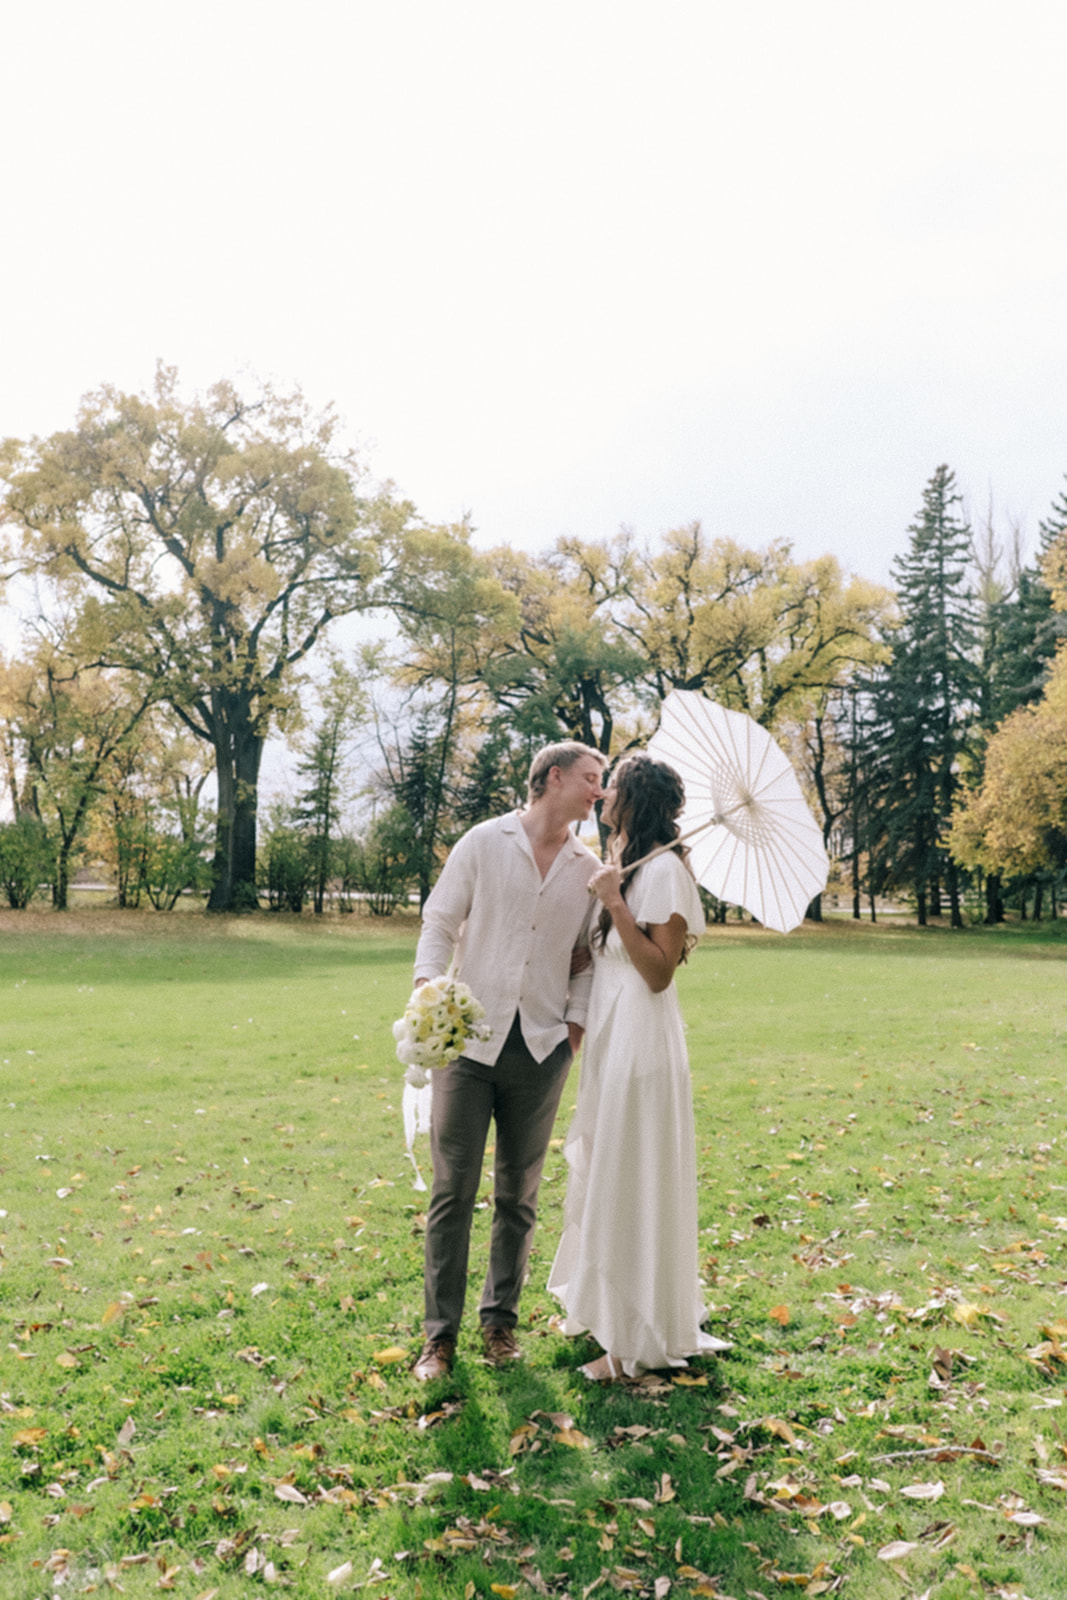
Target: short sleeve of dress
(662,888)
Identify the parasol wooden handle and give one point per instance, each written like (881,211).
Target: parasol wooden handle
(658,851)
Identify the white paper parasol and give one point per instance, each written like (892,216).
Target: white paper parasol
(753,839)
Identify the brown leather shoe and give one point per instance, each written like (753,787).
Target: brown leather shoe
(435,1360)
(501,1346)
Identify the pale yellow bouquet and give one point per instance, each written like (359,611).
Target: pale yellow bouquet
(438,1021)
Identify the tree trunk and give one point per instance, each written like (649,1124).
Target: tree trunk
(238,751)
(953,886)
(814,911)
(61,883)
(994,905)
(1039,895)
(920,906)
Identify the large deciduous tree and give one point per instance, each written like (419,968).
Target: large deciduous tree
(567,671)
(754,629)
(208,544)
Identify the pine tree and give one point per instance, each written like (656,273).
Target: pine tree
(1028,629)
(924,704)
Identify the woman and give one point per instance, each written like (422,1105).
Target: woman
(626,1267)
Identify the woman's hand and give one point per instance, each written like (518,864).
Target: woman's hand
(581,959)
(606,884)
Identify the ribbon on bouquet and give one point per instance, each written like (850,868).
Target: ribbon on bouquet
(416,1107)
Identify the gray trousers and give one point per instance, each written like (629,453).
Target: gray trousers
(522,1096)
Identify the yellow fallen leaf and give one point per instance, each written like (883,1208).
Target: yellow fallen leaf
(506,1591)
(685,1381)
(65,1359)
(966,1314)
(29,1436)
(392,1354)
(113,1312)
(779,1314)
(574,1439)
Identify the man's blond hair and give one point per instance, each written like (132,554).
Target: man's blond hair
(562,755)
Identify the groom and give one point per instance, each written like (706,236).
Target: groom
(507,911)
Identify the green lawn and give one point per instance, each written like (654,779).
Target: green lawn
(211,1282)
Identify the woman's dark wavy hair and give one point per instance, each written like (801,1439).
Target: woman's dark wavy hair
(649,796)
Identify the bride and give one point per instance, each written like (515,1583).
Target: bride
(626,1267)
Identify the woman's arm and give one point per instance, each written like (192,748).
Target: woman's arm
(655,952)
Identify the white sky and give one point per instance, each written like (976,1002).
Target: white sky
(566,265)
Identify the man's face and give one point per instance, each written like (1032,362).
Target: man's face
(580,787)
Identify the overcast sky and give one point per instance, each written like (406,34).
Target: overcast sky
(566,266)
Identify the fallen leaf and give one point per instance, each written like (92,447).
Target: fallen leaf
(896,1550)
(924,1491)
(779,1314)
(65,1359)
(340,1574)
(390,1356)
(289,1491)
(574,1439)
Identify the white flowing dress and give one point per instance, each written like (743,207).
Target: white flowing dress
(626,1267)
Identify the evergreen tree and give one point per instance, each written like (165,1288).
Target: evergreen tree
(924,705)
(1028,629)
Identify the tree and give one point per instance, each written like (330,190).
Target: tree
(208,545)
(754,629)
(455,619)
(68,724)
(923,705)
(1015,823)
(26,859)
(567,671)
(148,828)
(318,807)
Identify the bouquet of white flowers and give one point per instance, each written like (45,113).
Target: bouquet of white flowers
(438,1020)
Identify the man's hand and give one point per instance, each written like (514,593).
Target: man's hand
(575,1033)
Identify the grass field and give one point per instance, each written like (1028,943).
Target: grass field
(211,1283)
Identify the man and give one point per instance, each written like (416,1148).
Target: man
(507,911)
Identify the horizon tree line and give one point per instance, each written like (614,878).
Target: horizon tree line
(190,559)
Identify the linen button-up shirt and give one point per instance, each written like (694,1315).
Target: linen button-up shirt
(509,934)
